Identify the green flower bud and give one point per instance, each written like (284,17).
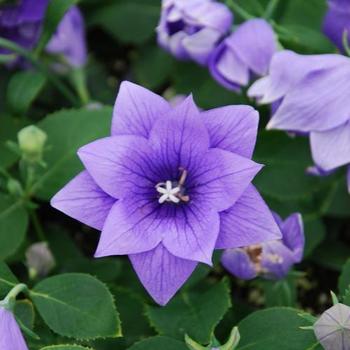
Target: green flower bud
(31,141)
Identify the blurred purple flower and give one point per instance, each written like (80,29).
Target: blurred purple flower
(314,92)
(10,333)
(69,39)
(190,29)
(332,329)
(337,21)
(22,23)
(271,260)
(169,186)
(247,50)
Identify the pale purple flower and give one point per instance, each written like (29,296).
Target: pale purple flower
(271,260)
(248,50)
(11,337)
(69,39)
(314,92)
(190,29)
(332,329)
(337,21)
(169,186)
(21,22)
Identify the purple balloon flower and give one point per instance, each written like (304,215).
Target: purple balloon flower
(332,329)
(271,260)
(337,21)
(314,92)
(190,29)
(10,333)
(69,39)
(22,23)
(247,50)
(169,186)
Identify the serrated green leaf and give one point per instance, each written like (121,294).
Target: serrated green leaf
(23,88)
(7,280)
(53,16)
(130,22)
(77,305)
(159,343)
(196,314)
(13,225)
(275,329)
(68,130)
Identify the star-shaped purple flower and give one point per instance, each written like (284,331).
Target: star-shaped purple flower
(312,95)
(169,186)
(190,29)
(271,260)
(249,49)
(10,334)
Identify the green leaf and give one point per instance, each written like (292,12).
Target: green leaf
(13,225)
(68,130)
(128,21)
(315,233)
(153,67)
(7,280)
(23,88)
(24,312)
(65,347)
(344,278)
(285,159)
(346,297)
(196,314)
(8,132)
(340,202)
(275,329)
(280,293)
(53,16)
(159,343)
(77,305)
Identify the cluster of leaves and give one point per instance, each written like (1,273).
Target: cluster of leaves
(100,304)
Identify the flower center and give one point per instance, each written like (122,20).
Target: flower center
(173,191)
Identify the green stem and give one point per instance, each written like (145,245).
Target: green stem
(8,302)
(37,226)
(7,44)
(239,10)
(270,9)
(78,79)
(346,42)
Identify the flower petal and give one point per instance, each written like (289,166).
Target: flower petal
(293,235)
(221,178)
(237,262)
(83,200)
(11,336)
(232,128)
(287,69)
(190,231)
(331,148)
(180,140)
(254,42)
(161,273)
(120,165)
(317,103)
(132,226)
(136,110)
(248,222)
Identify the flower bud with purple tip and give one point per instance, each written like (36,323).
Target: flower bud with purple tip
(191,29)
(246,51)
(270,260)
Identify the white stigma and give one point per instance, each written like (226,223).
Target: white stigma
(168,193)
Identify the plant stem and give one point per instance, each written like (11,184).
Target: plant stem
(270,9)
(78,79)
(37,226)
(239,10)
(7,44)
(346,42)
(8,302)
